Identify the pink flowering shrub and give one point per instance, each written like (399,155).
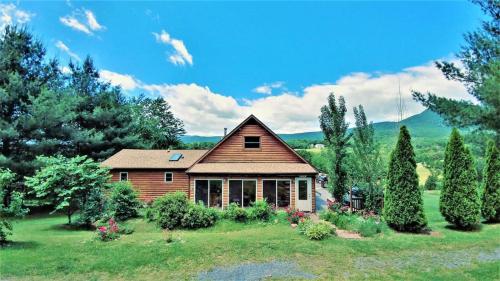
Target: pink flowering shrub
(109,232)
(294,216)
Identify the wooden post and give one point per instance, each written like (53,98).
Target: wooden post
(350,199)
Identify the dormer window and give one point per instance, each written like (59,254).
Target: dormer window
(252,142)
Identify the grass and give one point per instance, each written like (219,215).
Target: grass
(44,250)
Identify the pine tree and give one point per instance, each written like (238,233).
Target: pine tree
(459,202)
(479,72)
(490,208)
(403,205)
(334,126)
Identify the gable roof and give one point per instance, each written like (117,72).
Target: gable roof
(246,167)
(152,159)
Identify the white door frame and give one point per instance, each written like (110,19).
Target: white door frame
(303,205)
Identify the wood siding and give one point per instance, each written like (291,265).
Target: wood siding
(151,183)
(233,150)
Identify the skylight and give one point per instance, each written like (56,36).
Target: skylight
(175,157)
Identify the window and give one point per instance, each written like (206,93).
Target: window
(123,176)
(302,189)
(277,192)
(209,192)
(252,142)
(242,192)
(169,177)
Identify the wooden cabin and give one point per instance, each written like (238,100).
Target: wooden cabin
(250,163)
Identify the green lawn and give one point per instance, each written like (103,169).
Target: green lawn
(45,250)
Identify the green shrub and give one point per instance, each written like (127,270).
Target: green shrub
(93,209)
(431,183)
(491,185)
(369,227)
(319,231)
(459,202)
(304,225)
(329,216)
(198,216)
(235,212)
(260,210)
(403,204)
(169,209)
(123,201)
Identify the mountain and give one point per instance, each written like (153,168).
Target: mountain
(422,125)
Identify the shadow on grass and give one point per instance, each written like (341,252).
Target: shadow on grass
(18,245)
(474,228)
(71,227)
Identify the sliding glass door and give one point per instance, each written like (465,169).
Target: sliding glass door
(242,192)
(209,192)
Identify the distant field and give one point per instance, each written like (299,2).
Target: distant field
(423,173)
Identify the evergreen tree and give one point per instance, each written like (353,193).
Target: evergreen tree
(490,208)
(103,114)
(33,111)
(334,127)
(480,74)
(459,201)
(156,124)
(403,205)
(367,167)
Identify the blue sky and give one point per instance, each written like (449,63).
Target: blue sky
(216,62)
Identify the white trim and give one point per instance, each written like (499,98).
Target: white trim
(242,179)
(309,194)
(276,189)
(120,178)
(208,199)
(165,177)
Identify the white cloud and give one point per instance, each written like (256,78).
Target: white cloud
(10,14)
(205,112)
(65,70)
(267,89)
(61,46)
(75,24)
(77,21)
(92,21)
(180,56)
(125,81)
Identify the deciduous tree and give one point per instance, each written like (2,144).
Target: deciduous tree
(334,126)
(367,167)
(70,184)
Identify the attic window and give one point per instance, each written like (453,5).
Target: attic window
(175,157)
(252,142)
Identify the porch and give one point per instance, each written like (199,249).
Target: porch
(281,191)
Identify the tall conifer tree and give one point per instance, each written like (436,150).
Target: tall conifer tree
(490,208)
(403,205)
(459,202)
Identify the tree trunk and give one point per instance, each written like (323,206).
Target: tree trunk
(69,216)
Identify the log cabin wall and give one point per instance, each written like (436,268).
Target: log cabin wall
(150,183)
(233,149)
